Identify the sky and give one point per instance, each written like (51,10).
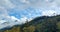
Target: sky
(22,10)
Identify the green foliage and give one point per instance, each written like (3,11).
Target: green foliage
(29,29)
(58,25)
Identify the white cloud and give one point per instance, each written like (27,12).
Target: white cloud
(24,1)
(23,19)
(23,4)
(6,20)
(49,13)
(2,21)
(14,18)
(11,21)
(6,3)
(3,13)
(35,3)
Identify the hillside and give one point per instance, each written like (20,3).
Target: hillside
(38,24)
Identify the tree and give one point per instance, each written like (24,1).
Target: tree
(58,26)
(29,29)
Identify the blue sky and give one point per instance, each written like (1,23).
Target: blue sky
(20,10)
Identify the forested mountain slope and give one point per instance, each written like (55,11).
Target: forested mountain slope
(38,24)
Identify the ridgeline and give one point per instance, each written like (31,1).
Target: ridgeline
(38,24)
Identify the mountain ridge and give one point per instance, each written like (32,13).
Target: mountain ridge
(38,24)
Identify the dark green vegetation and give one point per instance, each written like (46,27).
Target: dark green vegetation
(39,24)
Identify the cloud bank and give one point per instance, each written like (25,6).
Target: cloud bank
(15,11)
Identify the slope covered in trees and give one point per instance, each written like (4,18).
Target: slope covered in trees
(38,24)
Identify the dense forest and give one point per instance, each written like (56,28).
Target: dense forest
(38,24)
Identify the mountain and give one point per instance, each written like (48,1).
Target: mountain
(38,24)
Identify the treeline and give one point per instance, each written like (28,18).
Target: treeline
(39,24)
